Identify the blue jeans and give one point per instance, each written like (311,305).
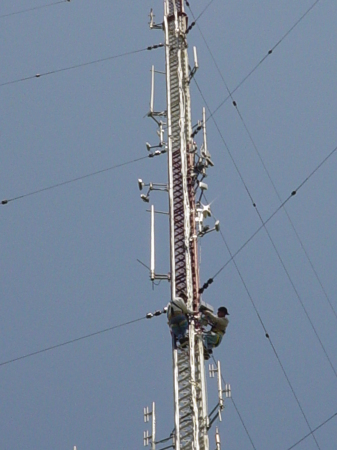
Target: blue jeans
(212,340)
(179,325)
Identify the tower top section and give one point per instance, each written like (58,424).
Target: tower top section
(175,4)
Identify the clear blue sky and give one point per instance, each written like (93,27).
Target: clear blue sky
(69,255)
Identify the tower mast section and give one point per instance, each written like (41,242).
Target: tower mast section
(191,422)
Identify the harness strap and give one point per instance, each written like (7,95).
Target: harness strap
(217,331)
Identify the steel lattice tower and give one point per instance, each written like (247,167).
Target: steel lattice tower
(186,170)
(188,368)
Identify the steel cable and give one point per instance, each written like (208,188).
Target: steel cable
(71,341)
(33,9)
(4,202)
(271,343)
(276,211)
(230,93)
(76,66)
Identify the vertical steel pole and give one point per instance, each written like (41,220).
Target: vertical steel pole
(152,91)
(217,439)
(153,447)
(220,387)
(152,263)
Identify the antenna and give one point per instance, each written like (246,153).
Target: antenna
(227,391)
(152,265)
(152,25)
(152,113)
(204,130)
(217,439)
(152,91)
(150,437)
(146,198)
(196,65)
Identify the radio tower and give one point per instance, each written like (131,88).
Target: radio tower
(187,166)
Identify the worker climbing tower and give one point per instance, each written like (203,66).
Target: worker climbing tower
(187,166)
